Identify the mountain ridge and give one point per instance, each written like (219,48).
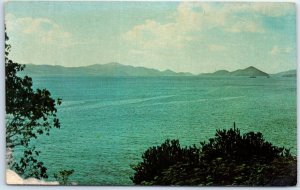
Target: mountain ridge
(249,71)
(289,73)
(109,69)
(114,69)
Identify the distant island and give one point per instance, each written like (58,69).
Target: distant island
(249,72)
(118,70)
(290,73)
(106,70)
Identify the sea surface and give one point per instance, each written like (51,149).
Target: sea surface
(107,123)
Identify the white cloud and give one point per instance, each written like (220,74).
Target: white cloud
(199,16)
(40,30)
(152,34)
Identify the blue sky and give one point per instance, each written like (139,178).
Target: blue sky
(192,37)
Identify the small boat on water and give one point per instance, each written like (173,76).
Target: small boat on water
(252,76)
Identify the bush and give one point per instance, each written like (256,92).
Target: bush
(157,159)
(63,177)
(229,158)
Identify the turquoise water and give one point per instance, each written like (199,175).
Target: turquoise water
(107,123)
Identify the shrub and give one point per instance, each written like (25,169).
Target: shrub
(63,177)
(157,159)
(230,158)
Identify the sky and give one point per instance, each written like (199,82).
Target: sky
(194,37)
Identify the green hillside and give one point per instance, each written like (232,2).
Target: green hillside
(107,70)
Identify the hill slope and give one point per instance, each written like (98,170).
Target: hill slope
(249,72)
(290,73)
(110,69)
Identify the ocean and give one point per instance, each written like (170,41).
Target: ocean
(107,123)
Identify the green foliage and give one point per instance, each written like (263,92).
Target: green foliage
(157,159)
(63,177)
(29,113)
(230,158)
(249,147)
(29,166)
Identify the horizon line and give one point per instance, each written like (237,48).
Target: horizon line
(155,68)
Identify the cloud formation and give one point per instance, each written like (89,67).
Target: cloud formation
(181,36)
(39,30)
(196,17)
